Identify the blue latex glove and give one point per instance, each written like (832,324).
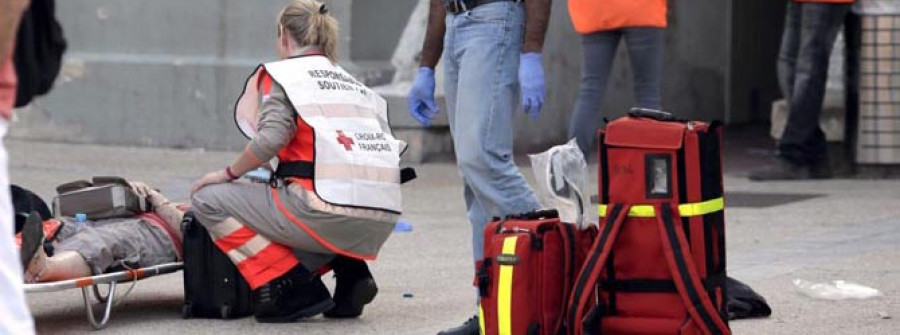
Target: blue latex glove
(421,97)
(531,78)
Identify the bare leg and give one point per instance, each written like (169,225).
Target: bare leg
(64,265)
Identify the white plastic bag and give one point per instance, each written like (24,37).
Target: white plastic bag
(561,175)
(835,290)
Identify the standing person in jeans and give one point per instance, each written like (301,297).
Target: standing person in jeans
(493,48)
(809,33)
(602,24)
(14,315)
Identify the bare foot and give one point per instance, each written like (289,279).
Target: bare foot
(36,266)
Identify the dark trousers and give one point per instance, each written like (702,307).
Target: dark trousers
(809,34)
(645,50)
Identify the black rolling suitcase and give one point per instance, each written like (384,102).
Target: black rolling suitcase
(213,287)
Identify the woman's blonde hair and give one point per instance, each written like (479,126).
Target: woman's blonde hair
(309,24)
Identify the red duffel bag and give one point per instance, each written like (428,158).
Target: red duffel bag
(658,264)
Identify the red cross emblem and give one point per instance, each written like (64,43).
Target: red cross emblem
(344,140)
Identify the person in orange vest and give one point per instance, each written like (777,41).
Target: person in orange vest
(810,30)
(335,197)
(602,24)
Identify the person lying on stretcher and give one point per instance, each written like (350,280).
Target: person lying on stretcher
(96,247)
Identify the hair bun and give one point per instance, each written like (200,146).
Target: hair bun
(323,9)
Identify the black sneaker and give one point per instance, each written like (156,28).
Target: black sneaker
(293,296)
(470,327)
(32,238)
(782,169)
(354,288)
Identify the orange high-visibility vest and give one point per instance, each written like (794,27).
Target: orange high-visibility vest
(590,16)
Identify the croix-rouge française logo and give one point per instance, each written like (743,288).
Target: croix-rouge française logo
(344,140)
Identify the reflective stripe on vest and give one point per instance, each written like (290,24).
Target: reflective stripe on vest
(504,294)
(686,210)
(357,159)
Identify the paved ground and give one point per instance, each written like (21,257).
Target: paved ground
(840,229)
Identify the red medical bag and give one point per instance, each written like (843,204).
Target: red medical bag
(658,264)
(530,261)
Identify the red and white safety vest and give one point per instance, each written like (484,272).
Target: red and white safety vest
(343,136)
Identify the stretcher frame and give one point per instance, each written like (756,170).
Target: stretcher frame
(93,283)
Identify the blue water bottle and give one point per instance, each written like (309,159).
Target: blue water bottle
(80,221)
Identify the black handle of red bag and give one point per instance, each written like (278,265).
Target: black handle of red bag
(535,214)
(654,114)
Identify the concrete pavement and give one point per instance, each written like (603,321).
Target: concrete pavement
(839,229)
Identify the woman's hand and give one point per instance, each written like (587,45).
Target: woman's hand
(211,178)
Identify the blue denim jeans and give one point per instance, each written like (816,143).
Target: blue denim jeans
(481,64)
(645,49)
(809,33)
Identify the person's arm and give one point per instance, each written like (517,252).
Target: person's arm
(10,16)
(277,125)
(166,210)
(537,15)
(433,46)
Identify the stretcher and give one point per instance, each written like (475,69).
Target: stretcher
(93,283)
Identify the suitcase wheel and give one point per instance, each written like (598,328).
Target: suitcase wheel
(187,311)
(226,311)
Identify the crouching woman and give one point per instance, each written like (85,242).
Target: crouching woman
(335,195)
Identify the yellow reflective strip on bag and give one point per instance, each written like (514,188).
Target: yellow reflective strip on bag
(642,211)
(702,208)
(637,211)
(601,209)
(504,296)
(692,209)
(481,320)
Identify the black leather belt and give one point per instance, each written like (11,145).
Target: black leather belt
(459,6)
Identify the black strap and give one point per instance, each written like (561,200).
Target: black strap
(298,169)
(407,174)
(569,244)
(654,114)
(535,215)
(686,274)
(484,279)
(459,6)
(306,169)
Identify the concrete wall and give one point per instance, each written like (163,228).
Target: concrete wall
(158,73)
(166,72)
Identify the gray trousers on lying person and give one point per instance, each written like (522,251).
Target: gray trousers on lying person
(119,243)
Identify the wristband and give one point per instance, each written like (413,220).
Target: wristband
(230,174)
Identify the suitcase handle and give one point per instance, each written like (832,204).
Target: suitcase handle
(535,214)
(654,114)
